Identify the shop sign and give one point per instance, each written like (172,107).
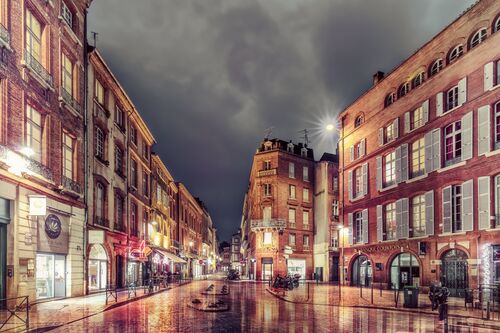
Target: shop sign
(53,234)
(96,236)
(37,205)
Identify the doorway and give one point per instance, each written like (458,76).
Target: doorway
(50,276)
(361,272)
(119,271)
(267,269)
(454,272)
(98,268)
(3,262)
(405,271)
(334,273)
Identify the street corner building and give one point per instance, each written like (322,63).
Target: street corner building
(420,164)
(42,211)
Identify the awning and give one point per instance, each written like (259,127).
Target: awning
(172,257)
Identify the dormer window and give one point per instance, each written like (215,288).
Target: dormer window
(418,79)
(436,67)
(455,53)
(267,145)
(478,38)
(404,89)
(303,152)
(389,99)
(289,148)
(358,121)
(67,15)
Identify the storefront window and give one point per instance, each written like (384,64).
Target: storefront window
(297,266)
(50,276)
(97,268)
(267,268)
(361,271)
(405,271)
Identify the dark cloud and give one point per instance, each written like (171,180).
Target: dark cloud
(209,76)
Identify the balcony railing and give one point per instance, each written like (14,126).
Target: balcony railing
(119,226)
(270,172)
(194,251)
(100,111)
(38,68)
(70,100)
(264,224)
(98,220)
(39,169)
(4,35)
(71,184)
(24,164)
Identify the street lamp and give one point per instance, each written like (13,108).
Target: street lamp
(330,127)
(340,239)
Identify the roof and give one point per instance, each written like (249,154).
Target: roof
(328,157)
(282,145)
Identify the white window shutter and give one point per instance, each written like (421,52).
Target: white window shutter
(350,184)
(381,136)
(425,108)
(399,219)
(462,91)
(379,172)
(407,128)
(446,199)
(483,130)
(467,205)
(429,213)
(398,165)
(362,147)
(488,76)
(436,149)
(380,224)
(351,153)
(439,104)
(404,162)
(428,152)
(364,168)
(405,219)
(396,128)
(467,136)
(350,229)
(364,214)
(483,202)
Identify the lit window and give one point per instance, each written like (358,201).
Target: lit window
(305,174)
(67,75)
(358,183)
(390,221)
(418,79)
(497,125)
(291,191)
(418,157)
(358,228)
(267,165)
(120,117)
(478,37)
(267,190)
(436,67)
(99,143)
(453,143)
(418,215)
(34,132)
(416,118)
(358,121)
(390,132)
(291,239)
(305,219)
(291,170)
(306,241)
(133,135)
(456,206)
(389,99)
(133,173)
(455,53)
(291,216)
(390,169)
(404,89)
(33,38)
(66,14)
(67,149)
(99,92)
(452,98)
(305,195)
(99,212)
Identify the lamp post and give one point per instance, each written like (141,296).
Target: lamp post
(340,238)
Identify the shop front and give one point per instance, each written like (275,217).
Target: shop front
(97,268)
(4,221)
(267,268)
(361,271)
(297,266)
(405,271)
(454,272)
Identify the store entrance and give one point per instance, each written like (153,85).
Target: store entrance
(3,262)
(98,268)
(267,269)
(50,276)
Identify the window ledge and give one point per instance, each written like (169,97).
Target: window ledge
(416,178)
(388,188)
(494,87)
(453,233)
(492,153)
(453,166)
(357,198)
(491,229)
(451,110)
(419,237)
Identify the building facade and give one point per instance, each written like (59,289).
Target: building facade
(280,210)
(420,164)
(235,252)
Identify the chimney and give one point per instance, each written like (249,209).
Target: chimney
(377,77)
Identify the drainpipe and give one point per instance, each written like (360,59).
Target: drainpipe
(86,151)
(342,197)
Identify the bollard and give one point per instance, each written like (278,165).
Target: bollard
(372,294)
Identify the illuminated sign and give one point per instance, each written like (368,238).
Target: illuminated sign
(37,205)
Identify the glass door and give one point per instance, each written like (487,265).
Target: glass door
(59,276)
(103,270)
(44,276)
(3,260)
(267,271)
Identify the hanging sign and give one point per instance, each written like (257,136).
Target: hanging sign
(96,236)
(37,205)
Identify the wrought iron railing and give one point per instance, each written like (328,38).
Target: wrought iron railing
(119,226)
(4,34)
(16,310)
(38,68)
(271,223)
(40,169)
(99,220)
(100,111)
(270,172)
(71,184)
(70,100)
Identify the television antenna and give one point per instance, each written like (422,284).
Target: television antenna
(94,37)
(305,136)
(268,133)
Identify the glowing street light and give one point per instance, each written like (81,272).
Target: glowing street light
(330,127)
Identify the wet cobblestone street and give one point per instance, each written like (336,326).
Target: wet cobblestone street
(252,309)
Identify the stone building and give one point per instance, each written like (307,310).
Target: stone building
(419,163)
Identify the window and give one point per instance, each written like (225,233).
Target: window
(418,215)
(67,75)
(291,170)
(133,173)
(404,89)
(335,208)
(99,92)
(497,125)
(358,183)
(133,135)
(67,149)
(306,241)
(358,121)
(497,77)
(120,117)
(267,238)
(145,150)
(305,174)
(118,160)
(390,132)
(99,203)
(291,191)
(289,148)
(390,221)
(305,219)
(305,195)
(436,67)
(496,26)
(303,152)
(267,190)
(416,118)
(119,204)
(267,165)
(456,207)
(66,14)
(335,184)
(453,143)
(357,151)
(145,184)
(34,132)
(455,53)
(358,228)
(99,143)
(335,240)
(158,193)
(418,79)
(133,219)
(291,216)
(452,98)
(291,239)
(497,204)
(33,38)
(389,99)
(418,158)
(390,169)
(478,38)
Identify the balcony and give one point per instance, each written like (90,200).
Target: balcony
(263,173)
(4,36)
(71,185)
(119,226)
(176,244)
(20,164)
(37,67)
(100,112)
(98,220)
(70,101)
(40,169)
(256,225)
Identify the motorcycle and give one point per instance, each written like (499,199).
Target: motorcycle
(438,295)
(233,275)
(296,280)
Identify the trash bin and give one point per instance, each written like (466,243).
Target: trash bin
(411,297)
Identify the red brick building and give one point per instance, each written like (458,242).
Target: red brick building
(420,163)
(279,205)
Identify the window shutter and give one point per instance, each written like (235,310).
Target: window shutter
(439,104)
(380,224)
(446,209)
(462,91)
(365,225)
(396,128)
(428,152)
(362,147)
(379,172)
(381,136)
(488,76)
(467,136)
(436,149)
(404,162)
(407,128)
(399,219)
(425,108)
(429,213)
(483,202)
(398,165)
(351,153)
(467,205)
(349,184)
(365,178)
(483,130)
(405,218)
(350,228)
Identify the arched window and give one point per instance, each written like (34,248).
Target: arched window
(389,99)
(455,53)
(361,271)
(418,79)
(404,89)
(478,38)
(405,271)
(358,121)
(496,26)
(436,67)
(497,202)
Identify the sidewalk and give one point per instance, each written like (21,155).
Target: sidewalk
(49,315)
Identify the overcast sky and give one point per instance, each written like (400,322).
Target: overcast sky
(210,76)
